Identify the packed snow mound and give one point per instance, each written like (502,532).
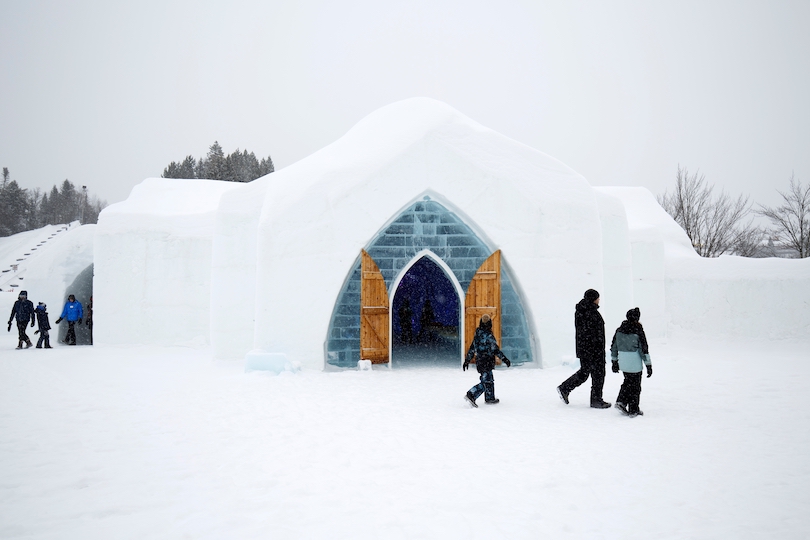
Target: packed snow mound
(646,219)
(48,261)
(393,133)
(153,263)
(167,204)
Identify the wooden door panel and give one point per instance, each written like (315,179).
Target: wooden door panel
(484,296)
(374,312)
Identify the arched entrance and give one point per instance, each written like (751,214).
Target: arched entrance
(426,313)
(361,325)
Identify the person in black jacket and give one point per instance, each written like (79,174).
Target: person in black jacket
(24,311)
(590,341)
(41,312)
(484,348)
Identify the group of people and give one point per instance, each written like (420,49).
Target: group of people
(25,312)
(629,353)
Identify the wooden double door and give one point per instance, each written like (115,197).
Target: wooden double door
(483,296)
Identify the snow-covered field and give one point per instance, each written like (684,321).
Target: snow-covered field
(104,442)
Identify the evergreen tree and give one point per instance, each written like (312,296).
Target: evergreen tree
(240,166)
(13,207)
(68,209)
(184,169)
(25,210)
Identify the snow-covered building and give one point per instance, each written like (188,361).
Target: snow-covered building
(413,224)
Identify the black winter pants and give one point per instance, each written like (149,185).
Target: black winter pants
(70,338)
(21,328)
(630,392)
(45,338)
(593,367)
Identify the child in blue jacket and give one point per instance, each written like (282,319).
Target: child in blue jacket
(630,353)
(41,312)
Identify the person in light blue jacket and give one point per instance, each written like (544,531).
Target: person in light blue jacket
(73,313)
(629,353)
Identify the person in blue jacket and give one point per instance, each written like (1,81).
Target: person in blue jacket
(72,312)
(484,348)
(629,353)
(23,310)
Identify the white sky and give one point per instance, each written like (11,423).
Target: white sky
(107,93)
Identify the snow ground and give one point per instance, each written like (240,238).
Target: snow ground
(114,442)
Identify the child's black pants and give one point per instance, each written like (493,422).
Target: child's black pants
(630,392)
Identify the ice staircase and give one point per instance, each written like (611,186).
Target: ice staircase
(16,255)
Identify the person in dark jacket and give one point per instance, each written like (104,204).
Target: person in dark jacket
(628,351)
(73,313)
(484,348)
(23,310)
(590,345)
(41,312)
(89,321)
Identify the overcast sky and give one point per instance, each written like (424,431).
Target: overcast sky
(108,93)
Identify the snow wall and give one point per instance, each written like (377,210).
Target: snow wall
(153,256)
(732,296)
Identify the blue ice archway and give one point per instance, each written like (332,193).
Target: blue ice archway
(425,225)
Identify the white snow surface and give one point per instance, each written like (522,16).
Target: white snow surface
(144,442)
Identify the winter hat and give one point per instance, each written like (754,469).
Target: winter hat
(41,305)
(634,314)
(591,295)
(486,323)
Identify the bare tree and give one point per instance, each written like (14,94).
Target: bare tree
(751,242)
(713,225)
(791,220)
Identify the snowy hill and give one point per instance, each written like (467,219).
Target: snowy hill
(47,262)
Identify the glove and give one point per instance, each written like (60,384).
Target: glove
(9,326)
(463,368)
(58,320)
(615,366)
(80,321)
(507,362)
(36,332)
(649,371)
(32,324)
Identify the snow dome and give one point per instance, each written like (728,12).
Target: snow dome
(389,244)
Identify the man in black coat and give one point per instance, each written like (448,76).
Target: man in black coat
(23,310)
(590,336)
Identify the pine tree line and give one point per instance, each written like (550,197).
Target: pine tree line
(27,209)
(236,167)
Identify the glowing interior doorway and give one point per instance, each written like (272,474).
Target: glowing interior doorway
(426,312)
